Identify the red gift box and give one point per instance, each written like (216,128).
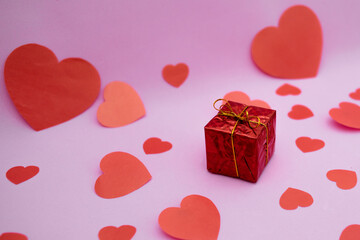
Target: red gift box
(240,140)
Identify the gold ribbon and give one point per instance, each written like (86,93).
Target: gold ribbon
(246,118)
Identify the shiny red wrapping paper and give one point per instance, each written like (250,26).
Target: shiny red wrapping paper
(249,144)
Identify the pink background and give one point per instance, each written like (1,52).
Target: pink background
(132,41)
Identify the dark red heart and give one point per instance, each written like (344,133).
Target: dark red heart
(13,236)
(299,112)
(351,232)
(175,75)
(344,179)
(287,89)
(156,145)
(20,174)
(306,144)
(125,232)
(47,92)
(293,198)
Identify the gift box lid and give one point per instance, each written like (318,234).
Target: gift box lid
(254,114)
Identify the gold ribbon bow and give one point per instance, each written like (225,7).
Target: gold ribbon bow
(246,118)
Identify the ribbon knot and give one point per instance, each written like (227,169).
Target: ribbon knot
(230,113)
(240,118)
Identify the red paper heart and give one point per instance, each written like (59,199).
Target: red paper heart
(292,50)
(122,105)
(344,179)
(197,218)
(20,174)
(175,75)
(306,144)
(351,232)
(287,89)
(299,112)
(242,97)
(13,236)
(123,174)
(348,115)
(47,92)
(355,95)
(293,198)
(155,145)
(125,232)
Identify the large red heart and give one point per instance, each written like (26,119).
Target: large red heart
(242,97)
(122,105)
(287,89)
(20,174)
(197,218)
(351,232)
(299,112)
(348,115)
(175,75)
(125,232)
(293,198)
(47,92)
(155,145)
(292,50)
(123,174)
(344,179)
(13,236)
(306,144)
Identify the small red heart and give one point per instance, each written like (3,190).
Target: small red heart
(355,95)
(20,174)
(306,144)
(344,179)
(287,89)
(293,198)
(175,75)
(125,232)
(155,145)
(122,105)
(292,50)
(13,236)
(241,97)
(123,174)
(47,92)
(197,218)
(299,112)
(351,232)
(348,115)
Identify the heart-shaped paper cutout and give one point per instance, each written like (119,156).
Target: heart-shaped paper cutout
(345,179)
(293,198)
(306,144)
(348,115)
(122,105)
(299,112)
(125,232)
(197,218)
(355,95)
(47,92)
(351,232)
(292,50)
(13,236)
(175,75)
(287,89)
(241,97)
(20,174)
(156,145)
(123,174)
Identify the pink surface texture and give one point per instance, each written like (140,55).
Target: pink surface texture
(131,41)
